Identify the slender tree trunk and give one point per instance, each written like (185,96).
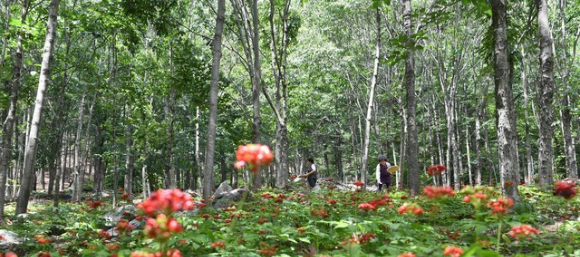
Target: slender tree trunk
(546,95)
(529,178)
(144,181)
(213,100)
(256,85)
(198,169)
(478,139)
(412,141)
(370,102)
(8,123)
(129,159)
(506,124)
(77,179)
(468,154)
(570,149)
(30,153)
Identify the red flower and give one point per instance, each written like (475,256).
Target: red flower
(367,207)
(523,232)
(95,204)
(218,244)
(434,170)
(331,201)
(566,190)
(436,192)
(124,225)
(268,250)
(44,254)
(125,196)
(254,155)
(410,208)
(301,230)
(8,254)
(452,251)
(409,254)
(359,183)
(166,201)
(113,247)
(500,205)
(162,227)
(293,177)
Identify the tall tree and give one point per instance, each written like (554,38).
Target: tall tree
(213,100)
(8,123)
(567,65)
(545,96)
(412,144)
(371,101)
(506,120)
(30,152)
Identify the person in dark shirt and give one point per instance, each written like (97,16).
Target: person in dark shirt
(311,176)
(383,176)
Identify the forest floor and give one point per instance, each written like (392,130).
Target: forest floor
(330,222)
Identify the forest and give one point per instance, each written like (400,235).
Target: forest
(154,112)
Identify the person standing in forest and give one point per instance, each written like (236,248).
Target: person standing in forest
(383,176)
(311,176)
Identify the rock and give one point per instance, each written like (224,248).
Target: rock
(223,188)
(225,199)
(9,238)
(113,232)
(192,193)
(315,189)
(103,194)
(124,212)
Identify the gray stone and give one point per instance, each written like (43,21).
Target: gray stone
(114,232)
(112,218)
(9,238)
(223,188)
(226,199)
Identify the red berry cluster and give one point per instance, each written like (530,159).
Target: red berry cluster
(166,201)
(452,251)
(367,207)
(437,192)
(8,254)
(253,155)
(435,170)
(162,227)
(169,253)
(268,250)
(218,244)
(523,232)
(565,189)
(411,208)
(359,183)
(500,205)
(409,254)
(95,204)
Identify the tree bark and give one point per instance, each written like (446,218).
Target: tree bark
(546,95)
(8,123)
(506,123)
(77,179)
(570,149)
(412,141)
(529,177)
(370,102)
(129,159)
(213,101)
(30,152)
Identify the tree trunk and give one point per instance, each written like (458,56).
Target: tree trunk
(198,169)
(8,123)
(529,177)
(546,95)
(256,85)
(144,181)
(478,139)
(30,153)
(370,103)
(570,149)
(468,154)
(77,179)
(213,101)
(129,159)
(412,144)
(506,124)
